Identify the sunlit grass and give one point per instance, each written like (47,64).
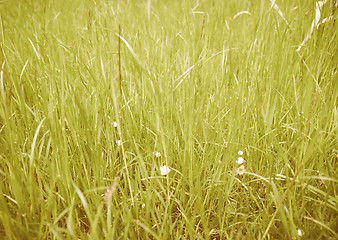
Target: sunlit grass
(168,120)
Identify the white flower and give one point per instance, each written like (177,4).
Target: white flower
(240,153)
(299,232)
(115,124)
(240,160)
(157,154)
(164,170)
(241,169)
(143,205)
(118,142)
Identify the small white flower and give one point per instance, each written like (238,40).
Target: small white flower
(118,142)
(157,154)
(115,124)
(240,160)
(143,205)
(164,170)
(299,232)
(240,153)
(241,169)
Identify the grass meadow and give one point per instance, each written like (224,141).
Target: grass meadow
(168,119)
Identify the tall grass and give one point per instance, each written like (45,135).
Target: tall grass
(198,84)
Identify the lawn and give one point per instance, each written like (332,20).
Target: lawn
(168,119)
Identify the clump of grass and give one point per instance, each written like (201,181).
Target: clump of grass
(207,120)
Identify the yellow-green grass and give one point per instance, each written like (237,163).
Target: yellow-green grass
(196,81)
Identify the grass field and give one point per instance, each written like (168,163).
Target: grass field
(97,96)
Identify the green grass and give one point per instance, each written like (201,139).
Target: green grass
(197,86)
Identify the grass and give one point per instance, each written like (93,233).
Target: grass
(188,79)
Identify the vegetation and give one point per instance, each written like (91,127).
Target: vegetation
(97,96)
